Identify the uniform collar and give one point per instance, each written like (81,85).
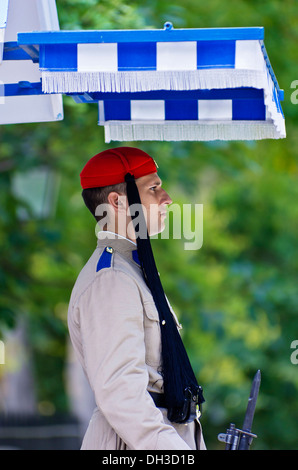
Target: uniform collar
(119,243)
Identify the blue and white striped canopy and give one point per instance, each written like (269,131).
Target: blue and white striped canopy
(21,96)
(185,84)
(133,60)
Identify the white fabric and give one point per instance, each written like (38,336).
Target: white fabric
(176,55)
(127,131)
(248,55)
(147,110)
(215,110)
(97,57)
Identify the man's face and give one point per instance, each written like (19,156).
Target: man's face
(154,200)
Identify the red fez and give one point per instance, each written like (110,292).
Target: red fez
(110,167)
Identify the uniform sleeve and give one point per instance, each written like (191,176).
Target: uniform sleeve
(112,330)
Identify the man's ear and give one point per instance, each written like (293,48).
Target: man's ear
(117,201)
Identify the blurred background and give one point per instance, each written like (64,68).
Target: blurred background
(236,297)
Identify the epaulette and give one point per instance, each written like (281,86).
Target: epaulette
(135,257)
(105,259)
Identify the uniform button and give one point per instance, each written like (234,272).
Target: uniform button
(109,249)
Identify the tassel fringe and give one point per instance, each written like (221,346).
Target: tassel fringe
(81,82)
(128,131)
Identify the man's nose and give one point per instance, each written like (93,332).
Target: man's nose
(166,198)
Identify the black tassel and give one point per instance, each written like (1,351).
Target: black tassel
(178,376)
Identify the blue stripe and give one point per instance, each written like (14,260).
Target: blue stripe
(58,57)
(13,52)
(214,94)
(216,54)
(270,69)
(276,100)
(104,261)
(22,89)
(33,52)
(117,110)
(135,257)
(136,56)
(181,110)
(156,35)
(245,110)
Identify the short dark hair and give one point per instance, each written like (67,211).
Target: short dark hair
(93,197)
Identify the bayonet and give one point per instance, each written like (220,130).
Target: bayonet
(241,439)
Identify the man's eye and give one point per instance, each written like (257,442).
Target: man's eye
(153,188)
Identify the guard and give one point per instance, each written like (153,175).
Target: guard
(121,324)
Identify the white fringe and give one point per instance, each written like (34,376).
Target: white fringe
(271,110)
(80,82)
(128,131)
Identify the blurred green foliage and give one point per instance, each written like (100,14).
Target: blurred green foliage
(237,296)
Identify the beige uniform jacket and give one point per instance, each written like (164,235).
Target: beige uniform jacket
(114,328)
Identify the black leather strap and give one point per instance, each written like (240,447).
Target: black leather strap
(159,399)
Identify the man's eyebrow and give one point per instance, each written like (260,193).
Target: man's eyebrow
(156,183)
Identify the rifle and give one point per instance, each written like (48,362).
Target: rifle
(241,439)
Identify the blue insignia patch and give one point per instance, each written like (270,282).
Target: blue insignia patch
(105,259)
(135,257)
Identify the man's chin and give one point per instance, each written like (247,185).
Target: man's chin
(157,230)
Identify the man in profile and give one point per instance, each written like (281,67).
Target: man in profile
(121,325)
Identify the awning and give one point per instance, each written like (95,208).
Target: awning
(146,60)
(21,96)
(170,84)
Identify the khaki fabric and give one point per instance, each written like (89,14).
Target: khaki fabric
(114,328)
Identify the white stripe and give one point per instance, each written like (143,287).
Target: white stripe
(101,112)
(147,110)
(34,108)
(2,33)
(249,56)
(215,110)
(97,57)
(176,55)
(14,71)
